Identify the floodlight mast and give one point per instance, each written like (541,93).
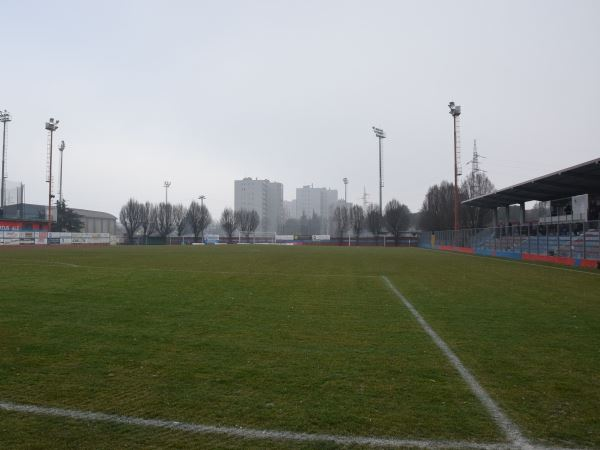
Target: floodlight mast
(345,180)
(51,126)
(455,111)
(380,135)
(167,185)
(4,117)
(202,198)
(61,148)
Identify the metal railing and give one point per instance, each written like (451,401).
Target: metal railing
(572,239)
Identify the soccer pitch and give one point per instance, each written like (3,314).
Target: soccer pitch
(294,347)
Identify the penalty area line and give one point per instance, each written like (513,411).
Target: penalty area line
(510,429)
(246,433)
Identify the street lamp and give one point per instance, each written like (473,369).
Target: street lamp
(167,185)
(455,113)
(4,117)
(61,148)
(51,126)
(380,135)
(345,180)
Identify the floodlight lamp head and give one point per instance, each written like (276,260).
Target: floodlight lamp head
(454,109)
(61,146)
(52,124)
(379,132)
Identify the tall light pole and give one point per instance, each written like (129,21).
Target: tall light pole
(167,185)
(201,198)
(51,126)
(455,113)
(345,180)
(380,135)
(4,117)
(61,148)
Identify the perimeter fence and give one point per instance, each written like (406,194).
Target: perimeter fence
(576,240)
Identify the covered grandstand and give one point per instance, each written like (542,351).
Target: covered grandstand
(566,229)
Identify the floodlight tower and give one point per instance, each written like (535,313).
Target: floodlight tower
(476,171)
(380,135)
(4,117)
(61,148)
(345,180)
(167,185)
(51,126)
(455,113)
(202,198)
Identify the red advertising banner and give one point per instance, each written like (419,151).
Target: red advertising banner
(10,226)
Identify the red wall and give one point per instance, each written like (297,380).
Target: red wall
(22,225)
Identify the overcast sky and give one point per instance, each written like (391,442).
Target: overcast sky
(202,93)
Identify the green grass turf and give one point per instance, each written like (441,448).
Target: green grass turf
(302,339)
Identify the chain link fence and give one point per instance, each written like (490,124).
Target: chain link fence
(579,240)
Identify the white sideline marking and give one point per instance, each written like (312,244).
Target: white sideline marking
(512,432)
(247,433)
(214,272)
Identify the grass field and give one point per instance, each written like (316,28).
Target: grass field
(299,339)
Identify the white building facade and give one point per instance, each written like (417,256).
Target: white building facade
(263,196)
(319,201)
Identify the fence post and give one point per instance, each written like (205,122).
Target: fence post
(571,237)
(584,249)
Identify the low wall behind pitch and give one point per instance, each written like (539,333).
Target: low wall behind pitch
(575,262)
(53,238)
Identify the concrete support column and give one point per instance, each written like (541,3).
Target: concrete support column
(522,213)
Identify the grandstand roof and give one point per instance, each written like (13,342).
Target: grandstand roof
(580,179)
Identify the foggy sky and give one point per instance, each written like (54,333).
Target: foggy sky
(202,93)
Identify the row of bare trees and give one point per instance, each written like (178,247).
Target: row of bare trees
(395,220)
(163,219)
(437,212)
(246,221)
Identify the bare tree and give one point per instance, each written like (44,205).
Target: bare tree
(199,219)
(341,217)
(397,218)
(247,221)
(148,220)
(357,219)
(131,217)
(374,221)
(437,212)
(228,223)
(164,220)
(179,218)
(475,185)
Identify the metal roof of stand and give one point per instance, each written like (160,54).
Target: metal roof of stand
(580,179)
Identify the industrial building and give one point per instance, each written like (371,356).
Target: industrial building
(27,217)
(263,196)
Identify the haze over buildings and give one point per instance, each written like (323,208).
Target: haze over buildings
(263,196)
(203,93)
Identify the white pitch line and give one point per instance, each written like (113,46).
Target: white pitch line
(213,272)
(247,433)
(510,429)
